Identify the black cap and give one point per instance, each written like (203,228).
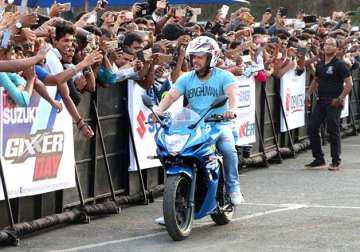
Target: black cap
(259,30)
(172,31)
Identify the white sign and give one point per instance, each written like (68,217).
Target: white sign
(245,120)
(32,147)
(345,110)
(144,134)
(292,92)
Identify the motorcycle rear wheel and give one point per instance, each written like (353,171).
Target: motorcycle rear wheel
(178,216)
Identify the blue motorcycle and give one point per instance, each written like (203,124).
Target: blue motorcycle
(195,184)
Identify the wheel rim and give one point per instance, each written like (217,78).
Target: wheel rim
(225,202)
(181,209)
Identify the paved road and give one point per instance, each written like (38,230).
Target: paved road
(288,209)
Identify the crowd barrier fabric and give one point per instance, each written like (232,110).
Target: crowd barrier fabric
(245,120)
(292,93)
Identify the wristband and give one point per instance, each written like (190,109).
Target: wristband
(85,124)
(77,123)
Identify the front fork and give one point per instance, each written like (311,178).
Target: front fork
(191,201)
(220,193)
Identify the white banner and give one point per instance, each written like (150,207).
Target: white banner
(345,110)
(245,120)
(32,147)
(144,134)
(292,92)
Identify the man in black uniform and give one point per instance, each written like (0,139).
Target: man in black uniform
(331,73)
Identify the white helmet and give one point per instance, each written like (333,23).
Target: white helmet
(204,45)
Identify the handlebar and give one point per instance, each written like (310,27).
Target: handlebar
(216,118)
(162,117)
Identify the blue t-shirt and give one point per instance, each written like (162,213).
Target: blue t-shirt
(201,94)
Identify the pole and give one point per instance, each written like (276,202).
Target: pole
(7,200)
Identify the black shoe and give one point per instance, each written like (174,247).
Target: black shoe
(316,164)
(334,166)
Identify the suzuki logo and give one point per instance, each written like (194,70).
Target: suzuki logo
(141,129)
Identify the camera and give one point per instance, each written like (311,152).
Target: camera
(268,10)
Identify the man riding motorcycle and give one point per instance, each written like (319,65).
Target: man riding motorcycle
(201,87)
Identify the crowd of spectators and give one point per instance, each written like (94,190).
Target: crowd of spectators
(147,43)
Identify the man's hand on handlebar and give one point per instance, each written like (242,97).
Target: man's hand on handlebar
(229,115)
(153,117)
(161,115)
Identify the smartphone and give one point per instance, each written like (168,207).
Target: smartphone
(180,12)
(92,19)
(283,11)
(147,54)
(188,13)
(273,40)
(114,44)
(196,11)
(310,19)
(161,4)
(67,6)
(5,39)
(355,29)
(143,34)
(261,39)
(302,50)
(103,3)
(164,58)
(140,56)
(289,21)
(2,11)
(298,25)
(144,7)
(224,11)
(129,15)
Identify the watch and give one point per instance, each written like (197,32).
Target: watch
(18,25)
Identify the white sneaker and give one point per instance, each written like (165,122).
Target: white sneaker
(236,198)
(160,221)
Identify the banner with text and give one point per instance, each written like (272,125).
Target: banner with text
(292,92)
(144,134)
(32,147)
(245,120)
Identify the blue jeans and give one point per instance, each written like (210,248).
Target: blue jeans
(226,147)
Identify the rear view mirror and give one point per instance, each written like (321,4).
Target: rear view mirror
(219,102)
(147,101)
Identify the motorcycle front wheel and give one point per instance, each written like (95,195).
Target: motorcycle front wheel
(178,216)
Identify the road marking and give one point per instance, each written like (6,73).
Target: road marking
(246,217)
(288,207)
(351,145)
(305,205)
(283,207)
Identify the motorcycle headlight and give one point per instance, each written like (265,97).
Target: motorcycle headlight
(175,143)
